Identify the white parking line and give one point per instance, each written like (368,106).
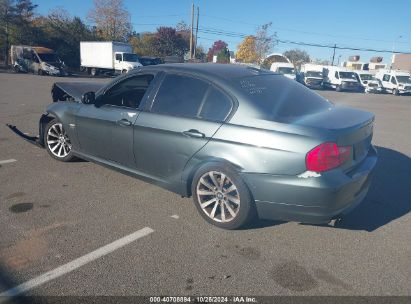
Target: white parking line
(7,161)
(175,216)
(73,265)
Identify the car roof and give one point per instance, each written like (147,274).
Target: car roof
(210,70)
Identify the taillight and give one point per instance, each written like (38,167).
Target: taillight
(327,156)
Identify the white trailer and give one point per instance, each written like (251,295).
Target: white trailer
(107,57)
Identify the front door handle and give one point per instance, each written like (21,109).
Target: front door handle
(124,122)
(194,133)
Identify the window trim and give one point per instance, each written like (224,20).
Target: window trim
(230,97)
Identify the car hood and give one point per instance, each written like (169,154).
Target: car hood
(73,91)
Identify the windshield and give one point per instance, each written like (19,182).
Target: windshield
(286,70)
(349,75)
(130,57)
(404,79)
(314,74)
(367,77)
(279,99)
(49,57)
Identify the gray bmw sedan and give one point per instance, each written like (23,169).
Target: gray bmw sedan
(242,142)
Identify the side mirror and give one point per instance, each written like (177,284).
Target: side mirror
(88,98)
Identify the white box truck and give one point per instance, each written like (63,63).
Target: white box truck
(107,57)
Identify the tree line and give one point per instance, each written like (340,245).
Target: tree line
(109,20)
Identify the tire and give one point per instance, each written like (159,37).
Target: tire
(56,141)
(124,72)
(16,69)
(40,72)
(338,88)
(394,92)
(225,209)
(93,72)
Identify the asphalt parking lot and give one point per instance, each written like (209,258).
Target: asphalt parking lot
(54,213)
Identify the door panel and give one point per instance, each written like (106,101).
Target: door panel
(163,144)
(107,132)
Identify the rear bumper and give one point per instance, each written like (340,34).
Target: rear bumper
(313,199)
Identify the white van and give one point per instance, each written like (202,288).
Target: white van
(340,79)
(368,82)
(395,82)
(311,75)
(285,68)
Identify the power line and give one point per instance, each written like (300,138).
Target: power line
(304,32)
(242,35)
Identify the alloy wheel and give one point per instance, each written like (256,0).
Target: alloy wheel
(57,141)
(218,196)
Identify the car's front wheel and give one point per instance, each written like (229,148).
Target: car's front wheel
(221,197)
(57,142)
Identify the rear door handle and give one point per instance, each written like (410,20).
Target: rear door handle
(124,122)
(194,133)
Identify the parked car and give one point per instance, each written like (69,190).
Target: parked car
(241,141)
(395,82)
(107,57)
(145,60)
(368,82)
(37,60)
(340,79)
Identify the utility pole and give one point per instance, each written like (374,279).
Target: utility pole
(393,51)
(191,32)
(195,44)
(333,54)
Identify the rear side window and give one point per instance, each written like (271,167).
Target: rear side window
(180,96)
(386,77)
(216,106)
(279,99)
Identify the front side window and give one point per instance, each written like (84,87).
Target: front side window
(180,96)
(336,75)
(129,92)
(393,80)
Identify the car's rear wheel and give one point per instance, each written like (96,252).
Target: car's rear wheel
(221,197)
(57,142)
(338,88)
(394,92)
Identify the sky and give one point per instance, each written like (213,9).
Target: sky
(375,24)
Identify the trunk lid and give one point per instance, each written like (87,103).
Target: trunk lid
(347,126)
